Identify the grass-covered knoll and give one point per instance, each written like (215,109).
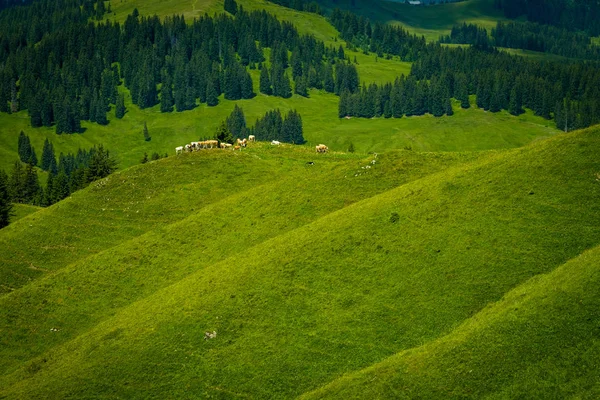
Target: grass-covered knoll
(430,21)
(540,341)
(87,289)
(294,312)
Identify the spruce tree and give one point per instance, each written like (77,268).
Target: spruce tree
(236,122)
(5,200)
(223,135)
(101,164)
(146,134)
(265,81)
(291,128)
(31,186)
(120,107)
(16,182)
(47,155)
(212,97)
(60,187)
(514,105)
(301,86)
(33,160)
(24,147)
(100,112)
(246,86)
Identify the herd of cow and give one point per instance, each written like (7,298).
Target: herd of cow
(214,144)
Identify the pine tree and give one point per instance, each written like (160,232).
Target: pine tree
(24,147)
(212,97)
(265,81)
(33,160)
(301,86)
(31,186)
(5,200)
(120,107)
(329,82)
(514,105)
(236,122)
(146,134)
(223,135)
(246,85)
(60,187)
(101,164)
(100,112)
(291,128)
(16,182)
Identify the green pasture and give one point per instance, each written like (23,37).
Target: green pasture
(306,272)
(471,129)
(539,341)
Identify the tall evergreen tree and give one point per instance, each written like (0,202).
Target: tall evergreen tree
(291,128)
(212,97)
(5,201)
(223,135)
(146,134)
(265,81)
(236,122)
(120,107)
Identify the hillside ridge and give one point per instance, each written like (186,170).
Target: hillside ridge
(192,304)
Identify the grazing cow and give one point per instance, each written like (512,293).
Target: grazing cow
(321,148)
(251,138)
(188,148)
(238,148)
(275,142)
(179,150)
(239,141)
(226,145)
(212,144)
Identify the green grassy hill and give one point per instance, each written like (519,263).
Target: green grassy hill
(306,272)
(540,341)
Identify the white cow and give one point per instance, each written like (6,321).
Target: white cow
(275,142)
(179,150)
(251,138)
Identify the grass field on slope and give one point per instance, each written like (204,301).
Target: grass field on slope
(282,192)
(471,129)
(542,341)
(296,311)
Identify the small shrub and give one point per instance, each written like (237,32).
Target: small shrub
(394,217)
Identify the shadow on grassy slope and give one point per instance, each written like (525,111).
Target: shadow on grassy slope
(542,340)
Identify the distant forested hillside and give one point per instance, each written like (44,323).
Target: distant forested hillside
(570,14)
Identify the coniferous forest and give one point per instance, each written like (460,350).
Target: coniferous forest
(62,78)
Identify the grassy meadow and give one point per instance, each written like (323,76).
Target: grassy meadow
(307,272)
(447,258)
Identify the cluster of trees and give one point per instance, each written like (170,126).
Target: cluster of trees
(502,81)
(527,36)
(406,96)
(379,38)
(570,14)
(272,126)
(569,92)
(63,69)
(69,173)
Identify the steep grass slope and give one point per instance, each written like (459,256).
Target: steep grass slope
(542,341)
(85,289)
(298,310)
